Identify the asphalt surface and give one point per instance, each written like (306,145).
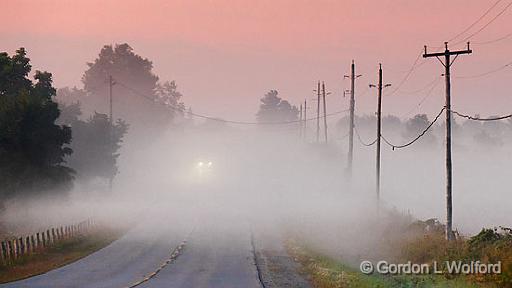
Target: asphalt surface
(214,256)
(125,261)
(219,251)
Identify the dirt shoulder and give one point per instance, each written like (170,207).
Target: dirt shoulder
(277,268)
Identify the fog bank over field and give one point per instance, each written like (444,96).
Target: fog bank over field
(269,179)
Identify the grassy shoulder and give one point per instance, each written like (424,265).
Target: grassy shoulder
(56,256)
(326,272)
(417,245)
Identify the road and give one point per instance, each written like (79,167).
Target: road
(215,256)
(218,253)
(125,261)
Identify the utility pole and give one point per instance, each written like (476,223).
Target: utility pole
(325,112)
(305,119)
(447,64)
(318,113)
(301,122)
(111,122)
(379,134)
(353,77)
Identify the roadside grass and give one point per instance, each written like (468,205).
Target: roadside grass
(57,256)
(488,246)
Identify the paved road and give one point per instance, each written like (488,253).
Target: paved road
(124,261)
(215,256)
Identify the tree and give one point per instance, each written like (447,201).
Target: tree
(95,148)
(137,95)
(275,109)
(167,94)
(416,125)
(32,145)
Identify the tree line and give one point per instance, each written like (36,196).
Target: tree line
(52,138)
(489,134)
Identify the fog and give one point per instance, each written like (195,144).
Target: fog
(268,178)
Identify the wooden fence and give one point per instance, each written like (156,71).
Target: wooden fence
(17,247)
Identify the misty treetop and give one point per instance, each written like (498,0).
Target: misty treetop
(32,146)
(138,96)
(95,143)
(274,109)
(488,134)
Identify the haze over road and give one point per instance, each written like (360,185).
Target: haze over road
(218,253)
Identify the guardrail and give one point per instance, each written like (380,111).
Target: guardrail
(18,247)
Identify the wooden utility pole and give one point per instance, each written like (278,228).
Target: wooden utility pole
(111,122)
(379,125)
(325,112)
(447,64)
(305,119)
(318,113)
(379,134)
(352,115)
(301,122)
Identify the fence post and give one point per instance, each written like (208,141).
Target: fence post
(32,243)
(22,246)
(2,251)
(48,236)
(9,249)
(15,248)
(28,248)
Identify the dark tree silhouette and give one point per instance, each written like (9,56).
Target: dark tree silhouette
(275,109)
(93,154)
(141,103)
(416,125)
(32,145)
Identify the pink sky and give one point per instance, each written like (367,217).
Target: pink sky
(225,55)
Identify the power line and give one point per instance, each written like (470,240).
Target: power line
(406,70)
(361,140)
(485,73)
(474,23)
(429,93)
(413,67)
(393,146)
(429,84)
(494,40)
(342,137)
(223,120)
(481,119)
(486,25)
